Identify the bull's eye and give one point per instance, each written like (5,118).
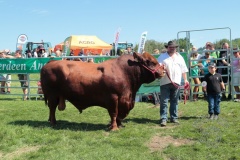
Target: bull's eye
(149,62)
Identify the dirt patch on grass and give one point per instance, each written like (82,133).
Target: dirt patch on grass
(158,143)
(19,152)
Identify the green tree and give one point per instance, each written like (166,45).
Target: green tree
(150,45)
(184,44)
(236,43)
(218,44)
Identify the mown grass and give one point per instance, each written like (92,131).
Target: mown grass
(25,133)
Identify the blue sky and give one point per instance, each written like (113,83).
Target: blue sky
(53,21)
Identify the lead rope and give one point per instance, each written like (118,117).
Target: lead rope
(186,91)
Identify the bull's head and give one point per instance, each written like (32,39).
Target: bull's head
(151,64)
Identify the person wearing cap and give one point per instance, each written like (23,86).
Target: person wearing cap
(170,84)
(213,86)
(236,72)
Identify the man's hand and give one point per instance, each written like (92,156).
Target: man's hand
(186,84)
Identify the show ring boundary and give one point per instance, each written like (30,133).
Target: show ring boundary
(32,66)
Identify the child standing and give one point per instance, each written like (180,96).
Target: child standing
(213,86)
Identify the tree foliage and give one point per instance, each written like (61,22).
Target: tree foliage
(185,44)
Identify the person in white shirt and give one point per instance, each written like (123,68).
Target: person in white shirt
(169,85)
(35,55)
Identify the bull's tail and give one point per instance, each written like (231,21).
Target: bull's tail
(45,99)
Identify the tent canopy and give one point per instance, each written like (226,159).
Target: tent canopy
(83,41)
(90,44)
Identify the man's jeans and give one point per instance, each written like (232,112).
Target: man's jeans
(214,103)
(169,91)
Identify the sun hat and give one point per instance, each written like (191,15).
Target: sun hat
(171,43)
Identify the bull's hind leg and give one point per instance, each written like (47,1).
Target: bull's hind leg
(52,105)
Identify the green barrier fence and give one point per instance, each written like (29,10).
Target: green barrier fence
(34,65)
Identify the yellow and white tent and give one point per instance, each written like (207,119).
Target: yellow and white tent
(89,44)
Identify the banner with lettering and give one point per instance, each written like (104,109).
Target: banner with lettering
(142,42)
(21,40)
(22,65)
(66,46)
(34,65)
(116,40)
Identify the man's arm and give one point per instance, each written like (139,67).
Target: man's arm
(8,56)
(222,86)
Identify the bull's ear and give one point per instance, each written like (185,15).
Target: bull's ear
(137,57)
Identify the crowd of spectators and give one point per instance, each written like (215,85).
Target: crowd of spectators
(199,62)
(22,77)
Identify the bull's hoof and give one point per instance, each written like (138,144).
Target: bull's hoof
(114,129)
(52,123)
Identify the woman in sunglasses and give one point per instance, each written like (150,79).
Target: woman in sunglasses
(195,74)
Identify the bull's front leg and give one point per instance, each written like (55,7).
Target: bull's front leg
(113,125)
(119,123)
(113,114)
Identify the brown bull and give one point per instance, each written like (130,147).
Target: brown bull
(112,84)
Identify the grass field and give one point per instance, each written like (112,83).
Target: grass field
(25,133)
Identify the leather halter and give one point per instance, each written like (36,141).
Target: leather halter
(153,71)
